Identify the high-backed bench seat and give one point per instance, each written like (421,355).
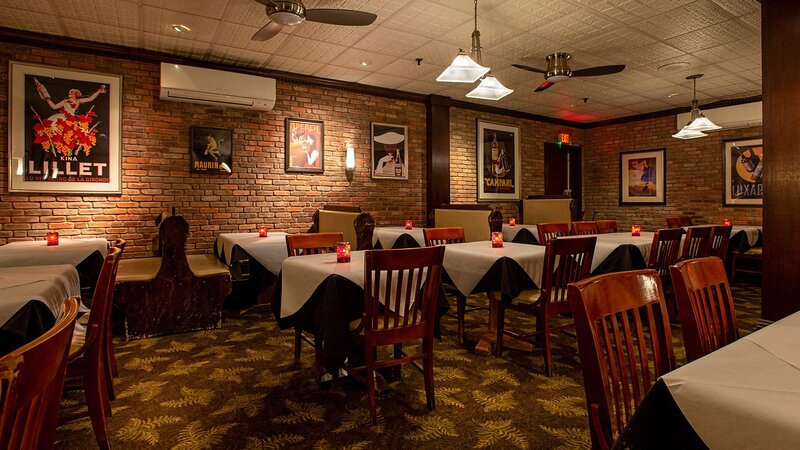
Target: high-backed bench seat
(174,293)
(545,209)
(356,226)
(478,221)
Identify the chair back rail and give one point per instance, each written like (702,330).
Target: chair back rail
(607,226)
(30,409)
(705,305)
(550,230)
(696,243)
(624,342)
(678,221)
(584,228)
(566,261)
(719,241)
(442,236)
(664,250)
(312,243)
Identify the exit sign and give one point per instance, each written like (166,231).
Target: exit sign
(563,138)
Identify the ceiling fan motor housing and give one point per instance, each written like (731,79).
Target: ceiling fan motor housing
(287,13)
(557,68)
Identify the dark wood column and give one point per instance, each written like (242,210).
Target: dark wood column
(437,134)
(780,55)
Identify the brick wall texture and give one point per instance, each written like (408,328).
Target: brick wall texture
(156,177)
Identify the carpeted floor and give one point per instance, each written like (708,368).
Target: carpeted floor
(236,388)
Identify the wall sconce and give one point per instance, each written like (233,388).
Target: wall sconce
(350,159)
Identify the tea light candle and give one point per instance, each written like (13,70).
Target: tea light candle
(726,222)
(497,239)
(52,238)
(409,224)
(512,221)
(636,230)
(262,231)
(342,252)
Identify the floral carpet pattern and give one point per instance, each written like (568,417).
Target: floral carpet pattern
(236,388)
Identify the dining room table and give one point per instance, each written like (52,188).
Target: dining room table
(521,233)
(397,237)
(86,255)
(30,300)
(742,396)
(256,258)
(322,297)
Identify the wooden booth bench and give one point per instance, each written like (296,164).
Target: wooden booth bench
(174,293)
(357,226)
(538,209)
(478,221)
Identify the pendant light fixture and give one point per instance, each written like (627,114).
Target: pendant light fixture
(698,123)
(468,69)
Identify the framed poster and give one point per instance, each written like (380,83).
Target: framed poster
(743,171)
(305,146)
(64,129)
(389,151)
(212,150)
(642,177)
(498,161)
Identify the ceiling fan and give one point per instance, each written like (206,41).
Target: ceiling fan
(558,70)
(288,13)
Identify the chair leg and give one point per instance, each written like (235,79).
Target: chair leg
(427,372)
(546,336)
(461,302)
(298,342)
(370,376)
(501,327)
(112,359)
(398,353)
(319,370)
(97,404)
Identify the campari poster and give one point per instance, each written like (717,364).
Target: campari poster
(65,131)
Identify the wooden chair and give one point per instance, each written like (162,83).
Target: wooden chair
(624,342)
(112,360)
(550,230)
(719,241)
(705,303)
(401,288)
(679,221)
(663,253)
(451,235)
(310,244)
(696,243)
(565,261)
(88,356)
(365,227)
(30,407)
(584,227)
(607,226)
(753,257)
(496,221)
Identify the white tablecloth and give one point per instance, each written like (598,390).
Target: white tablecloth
(300,276)
(38,253)
(269,251)
(509,232)
(745,395)
(608,242)
(48,284)
(752,232)
(387,236)
(467,263)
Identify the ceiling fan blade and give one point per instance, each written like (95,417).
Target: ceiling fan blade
(268,31)
(599,70)
(532,69)
(544,86)
(266,2)
(347,17)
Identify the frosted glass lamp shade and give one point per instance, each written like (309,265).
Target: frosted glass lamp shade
(489,89)
(462,70)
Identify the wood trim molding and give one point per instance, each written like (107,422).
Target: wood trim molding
(517,114)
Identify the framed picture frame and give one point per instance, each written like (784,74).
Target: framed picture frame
(742,172)
(64,130)
(211,150)
(642,177)
(305,146)
(388,151)
(498,162)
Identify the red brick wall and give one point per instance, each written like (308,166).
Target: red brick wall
(155,146)
(694,174)
(533,135)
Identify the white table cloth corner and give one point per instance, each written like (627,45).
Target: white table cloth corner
(509,232)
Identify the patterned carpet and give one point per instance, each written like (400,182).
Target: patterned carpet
(236,388)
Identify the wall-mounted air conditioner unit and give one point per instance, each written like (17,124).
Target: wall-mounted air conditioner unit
(729,117)
(215,87)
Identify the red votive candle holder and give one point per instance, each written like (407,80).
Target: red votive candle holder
(262,231)
(726,222)
(636,230)
(497,239)
(409,224)
(52,238)
(512,221)
(343,252)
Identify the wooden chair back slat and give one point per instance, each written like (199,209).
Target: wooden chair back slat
(607,226)
(705,304)
(442,236)
(550,230)
(679,221)
(30,409)
(696,243)
(584,227)
(565,261)
(625,343)
(312,243)
(664,250)
(719,241)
